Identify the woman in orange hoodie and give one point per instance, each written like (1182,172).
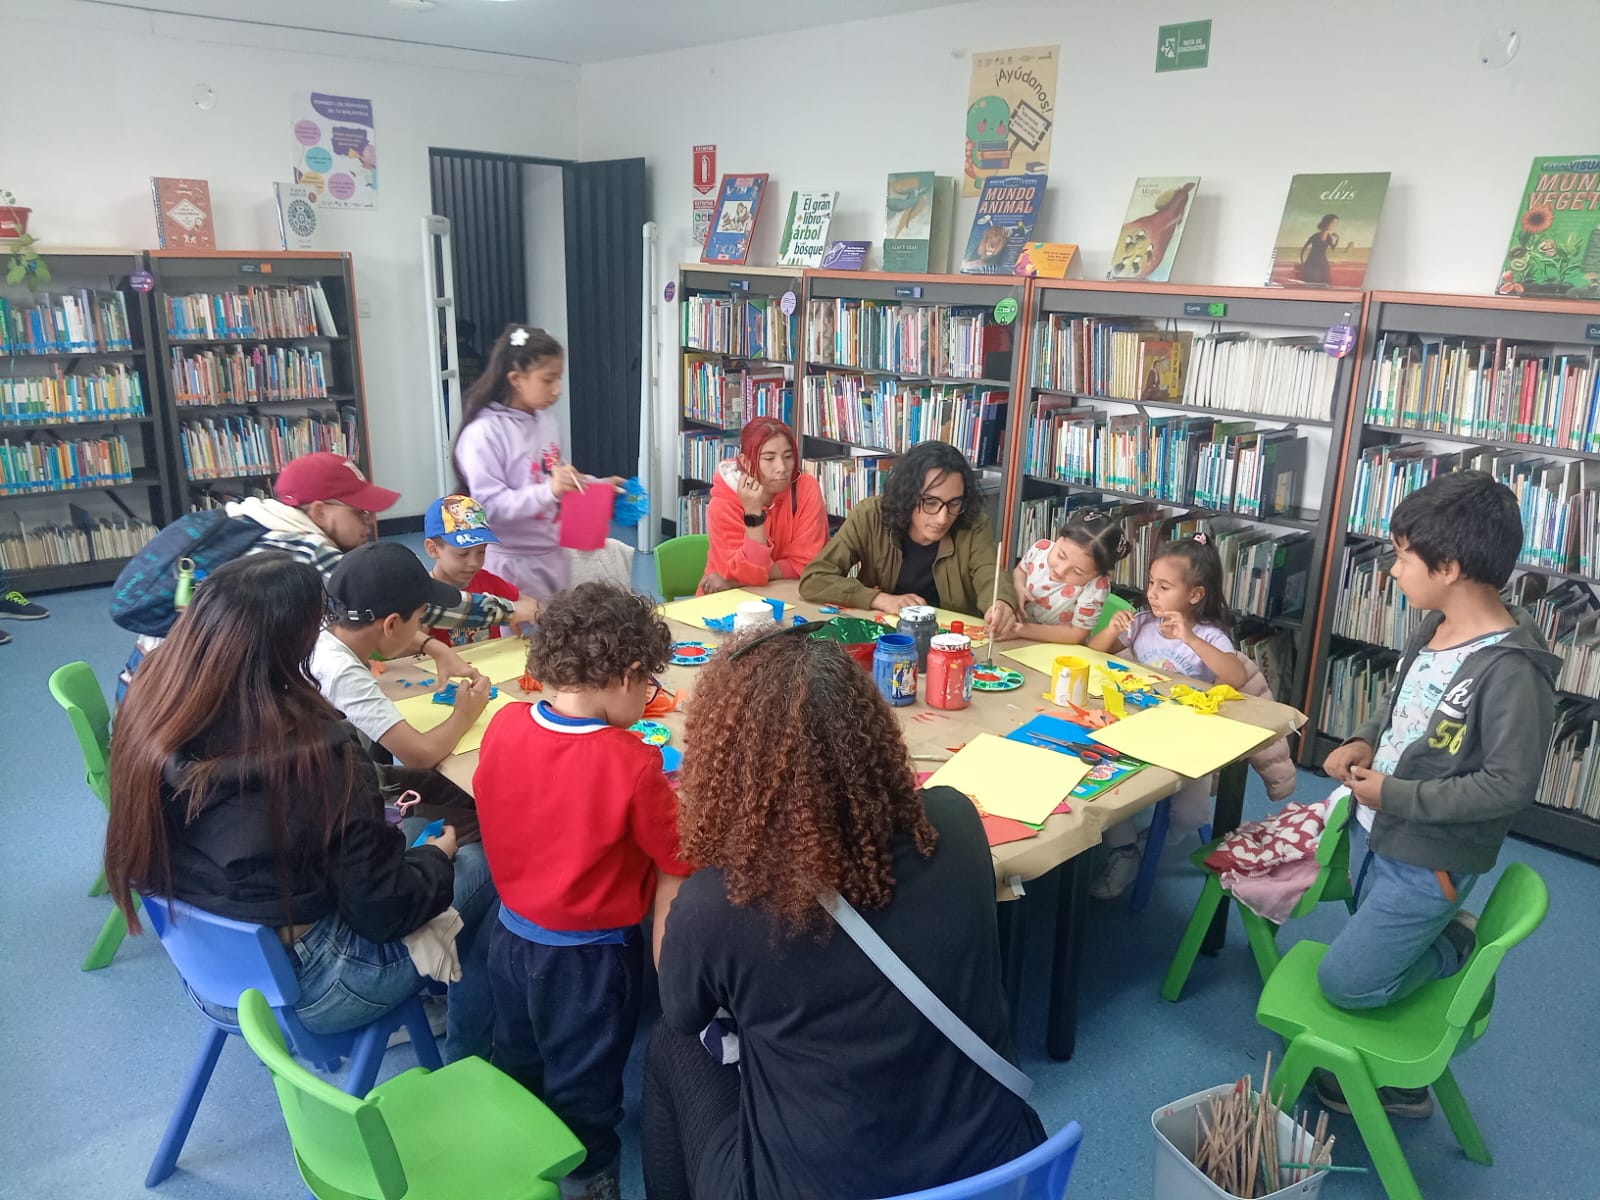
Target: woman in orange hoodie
(765,519)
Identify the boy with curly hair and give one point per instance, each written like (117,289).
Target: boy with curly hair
(581,830)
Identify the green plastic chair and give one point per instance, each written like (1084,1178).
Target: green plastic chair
(463,1130)
(1407,1044)
(1332,883)
(681,564)
(77,691)
(1113,605)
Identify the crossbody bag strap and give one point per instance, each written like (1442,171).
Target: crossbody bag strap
(914,990)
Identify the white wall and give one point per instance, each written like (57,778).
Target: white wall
(108,97)
(1292,86)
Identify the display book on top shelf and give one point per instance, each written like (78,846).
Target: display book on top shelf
(85,473)
(893,360)
(738,351)
(261,358)
(1513,388)
(1178,409)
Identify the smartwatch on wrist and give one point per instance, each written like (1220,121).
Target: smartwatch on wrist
(755,522)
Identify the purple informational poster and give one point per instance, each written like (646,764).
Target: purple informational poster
(335,149)
(845,256)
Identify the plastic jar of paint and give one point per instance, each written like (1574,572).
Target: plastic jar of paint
(920,623)
(894,668)
(950,667)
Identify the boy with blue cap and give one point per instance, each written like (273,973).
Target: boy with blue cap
(457,533)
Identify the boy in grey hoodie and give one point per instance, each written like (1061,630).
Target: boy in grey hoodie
(1457,750)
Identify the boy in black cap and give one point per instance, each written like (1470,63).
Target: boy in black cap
(378,596)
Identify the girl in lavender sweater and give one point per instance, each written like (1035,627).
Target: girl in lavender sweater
(508,458)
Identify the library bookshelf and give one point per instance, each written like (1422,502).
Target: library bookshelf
(1183,408)
(260,360)
(1511,387)
(85,471)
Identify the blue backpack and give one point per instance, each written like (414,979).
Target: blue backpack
(144,599)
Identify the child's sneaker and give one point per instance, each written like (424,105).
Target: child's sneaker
(1117,873)
(4,637)
(1414,1103)
(17,607)
(603,1185)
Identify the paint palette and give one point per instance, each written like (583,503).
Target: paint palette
(689,654)
(994,679)
(652,733)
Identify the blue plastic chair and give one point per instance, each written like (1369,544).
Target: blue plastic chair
(219,959)
(1040,1174)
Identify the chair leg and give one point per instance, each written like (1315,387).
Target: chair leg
(422,1039)
(194,1091)
(106,944)
(1292,1075)
(1460,1118)
(1378,1134)
(99,888)
(1183,962)
(365,1059)
(1155,841)
(1263,935)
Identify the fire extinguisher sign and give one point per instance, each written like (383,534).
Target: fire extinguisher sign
(705,169)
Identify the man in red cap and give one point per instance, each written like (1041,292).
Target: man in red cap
(325,506)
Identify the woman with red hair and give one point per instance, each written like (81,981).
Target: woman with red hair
(766,518)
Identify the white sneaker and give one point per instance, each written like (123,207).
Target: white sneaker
(1117,873)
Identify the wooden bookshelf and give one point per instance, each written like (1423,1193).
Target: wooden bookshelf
(291,389)
(102,405)
(1107,382)
(727,360)
(1398,327)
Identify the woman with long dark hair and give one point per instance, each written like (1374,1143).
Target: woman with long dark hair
(508,458)
(766,519)
(797,780)
(237,788)
(926,540)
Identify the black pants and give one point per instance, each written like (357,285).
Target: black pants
(689,1123)
(564,1022)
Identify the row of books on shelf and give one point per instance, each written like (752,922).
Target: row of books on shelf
(730,397)
(285,311)
(52,464)
(740,326)
(893,415)
(227,447)
(1490,389)
(937,340)
(699,454)
(1272,651)
(84,539)
(1291,377)
(845,482)
(1572,768)
(1359,678)
(63,322)
(1223,465)
(237,376)
(692,508)
(112,393)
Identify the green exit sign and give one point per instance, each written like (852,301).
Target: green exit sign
(1185,47)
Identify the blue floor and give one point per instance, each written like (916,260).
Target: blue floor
(93,1062)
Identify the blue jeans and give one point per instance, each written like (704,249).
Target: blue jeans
(347,981)
(1393,942)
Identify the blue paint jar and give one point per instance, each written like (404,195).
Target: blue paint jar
(894,668)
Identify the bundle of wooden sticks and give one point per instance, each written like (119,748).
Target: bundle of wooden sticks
(1238,1147)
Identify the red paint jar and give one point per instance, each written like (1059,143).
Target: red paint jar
(950,667)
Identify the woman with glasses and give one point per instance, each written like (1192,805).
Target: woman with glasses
(797,780)
(925,540)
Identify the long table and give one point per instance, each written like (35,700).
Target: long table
(931,733)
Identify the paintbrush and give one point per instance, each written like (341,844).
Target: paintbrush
(988,617)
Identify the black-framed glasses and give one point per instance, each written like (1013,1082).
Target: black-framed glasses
(932,506)
(806,627)
(656,689)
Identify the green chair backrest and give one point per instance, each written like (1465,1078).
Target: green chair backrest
(1113,605)
(341,1141)
(681,564)
(77,690)
(1516,908)
(1333,857)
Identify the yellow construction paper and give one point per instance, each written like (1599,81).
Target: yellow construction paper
(718,604)
(1209,701)
(1182,740)
(1011,779)
(423,715)
(499,659)
(1041,655)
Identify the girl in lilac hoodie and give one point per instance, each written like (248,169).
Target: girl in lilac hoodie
(508,458)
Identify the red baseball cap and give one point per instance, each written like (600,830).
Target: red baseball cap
(328,476)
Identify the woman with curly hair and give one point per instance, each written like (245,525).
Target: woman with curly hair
(926,540)
(797,780)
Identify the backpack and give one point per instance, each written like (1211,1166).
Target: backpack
(144,597)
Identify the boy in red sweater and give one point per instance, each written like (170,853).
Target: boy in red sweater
(581,830)
(456,535)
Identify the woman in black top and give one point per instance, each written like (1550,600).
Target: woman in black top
(797,778)
(237,788)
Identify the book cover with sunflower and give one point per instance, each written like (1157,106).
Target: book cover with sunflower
(1555,245)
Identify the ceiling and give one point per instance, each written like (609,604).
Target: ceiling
(570,31)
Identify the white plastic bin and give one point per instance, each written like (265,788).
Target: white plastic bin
(1177,1178)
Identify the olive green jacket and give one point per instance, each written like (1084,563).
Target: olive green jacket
(963,570)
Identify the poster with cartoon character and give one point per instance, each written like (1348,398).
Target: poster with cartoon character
(1011,110)
(335,149)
